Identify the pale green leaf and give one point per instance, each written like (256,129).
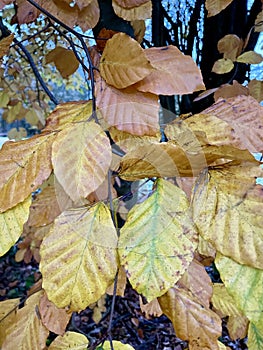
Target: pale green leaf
(158,240)
(255,337)
(117,345)
(79,257)
(11,225)
(70,340)
(245,285)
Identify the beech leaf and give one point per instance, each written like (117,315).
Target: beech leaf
(78,257)
(5,44)
(7,316)
(140,12)
(11,223)
(70,340)
(64,59)
(216,6)
(191,320)
(255,336)
(24,165)
(250,57)
(227,209)
(222,66)
(157,241)
(89,15)
(128,109)
(174,73)
(123,62)
(130,3)
(81,157)
(255,88)
(117,345)
(230,45)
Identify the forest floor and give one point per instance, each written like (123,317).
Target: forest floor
(129,324)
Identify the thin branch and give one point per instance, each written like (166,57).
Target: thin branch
(34,35)
(84,46)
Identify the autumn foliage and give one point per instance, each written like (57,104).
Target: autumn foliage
(204,202)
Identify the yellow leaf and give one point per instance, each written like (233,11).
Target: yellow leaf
(130,3)
(140,12)
(216,6)
(174,73)
(227,209)
(5,45)
(27,331)
(255,337)
(259,22)
(250,57)
(157,242)
(128,109)
(117,345)
(244,284)
(123,62)
(78,257)
(139,29)
(64,59)
(245,115)
(69,112)
(230,45)
(7,316)
(70,340)
(222,66)
(121,283)
(81,157)
(24,165)
(4,98)
(53,318)
(255,88)
(11,223)
(191,320)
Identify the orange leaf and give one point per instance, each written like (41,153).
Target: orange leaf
(128,110)
(123,61)
(142,11)
(5,45)
(89,15)
(174,72)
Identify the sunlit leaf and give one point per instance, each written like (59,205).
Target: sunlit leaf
(8,310)
(222,66)
(128,109)
(245,115)
(191,320)
(216,6)
(245,285)
(69,112)
(157,242)
(230,45)
(250,57)
(24,165)
(81,157)
(27,332)
(123,61)
(140,12)
(89,15)
(78,257)
(11,225)
(227,209)
(70,340)
(174,73)
(53,318)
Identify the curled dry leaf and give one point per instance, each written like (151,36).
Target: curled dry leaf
(123,61)
(230,45)
(174,73)
(5,45)
(216,6)
(140,12)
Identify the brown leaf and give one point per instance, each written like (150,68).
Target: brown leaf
(230,45)
(64,59)
(123,61)
(5,45)
(174,73)
(245,116)
(130,3)
(26,13)
(7,316)
(255,88)
(216,6)
(24,166)
(89,15)
(227,90)
(139,29)
(151,309)
(222,66)
(191,320)
(140,12)
(52,317)
(128,109)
